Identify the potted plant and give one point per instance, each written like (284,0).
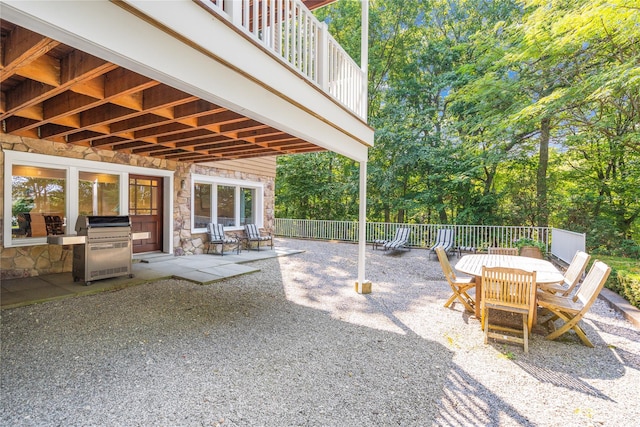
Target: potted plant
(531,248)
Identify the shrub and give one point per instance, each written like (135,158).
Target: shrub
(525,241)
(625,278)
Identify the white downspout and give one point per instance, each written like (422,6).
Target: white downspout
(362,285)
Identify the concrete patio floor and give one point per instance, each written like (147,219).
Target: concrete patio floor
(201,269)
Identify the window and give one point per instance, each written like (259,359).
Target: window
(232,203)
(143,196)
(247,207)
(45,194)
(38,204)
(98,194)
(202,207)
(226,205)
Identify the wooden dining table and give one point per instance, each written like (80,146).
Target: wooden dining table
(546,272)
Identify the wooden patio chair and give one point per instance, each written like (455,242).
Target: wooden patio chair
(459,285)
(216,236)
(253,234)
(502,251)
(570,311)
(512,290)
(571,277)
(399,241)
(445,239)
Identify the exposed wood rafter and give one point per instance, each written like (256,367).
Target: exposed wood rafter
(55,92)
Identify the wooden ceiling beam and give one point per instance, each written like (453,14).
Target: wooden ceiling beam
(55,92)
(111,140)
(162,96)
(170,128)
(256,133)
(16,124)
(44,69)
(222,144)
(243,126)
(214,121)
(209,139)
(128,145)
(22,47)
(75,67)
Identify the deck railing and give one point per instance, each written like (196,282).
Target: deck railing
(290,31)
(422,235)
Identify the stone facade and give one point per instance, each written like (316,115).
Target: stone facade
(25,261)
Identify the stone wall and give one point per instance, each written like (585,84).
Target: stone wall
(44,259)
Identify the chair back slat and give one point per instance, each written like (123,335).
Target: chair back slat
(502,251)
(576,269)
(593,284)
(444,238)
(252,231)
(402,234)
(216,232)
(445,264)
(508,286)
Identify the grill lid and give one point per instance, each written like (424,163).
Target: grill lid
(102,221)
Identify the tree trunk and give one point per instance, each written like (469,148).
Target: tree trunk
(541,184)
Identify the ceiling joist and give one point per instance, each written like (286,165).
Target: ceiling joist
(55,92)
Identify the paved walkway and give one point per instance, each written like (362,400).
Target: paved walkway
(201,269)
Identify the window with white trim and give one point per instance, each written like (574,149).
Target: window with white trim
(232,203)
(47,193)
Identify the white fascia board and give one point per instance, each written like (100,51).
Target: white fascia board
(108,31)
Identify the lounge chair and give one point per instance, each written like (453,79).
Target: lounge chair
(444,239)
(571,311)
(216,236)
(511,290)
(253,235)
(399,241)
(459,285)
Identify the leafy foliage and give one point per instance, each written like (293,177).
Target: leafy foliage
(504,112)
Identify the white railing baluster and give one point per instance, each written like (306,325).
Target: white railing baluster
(289,30)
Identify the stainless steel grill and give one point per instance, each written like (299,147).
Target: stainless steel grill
(107,248)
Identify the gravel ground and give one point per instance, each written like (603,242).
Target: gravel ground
(294,345)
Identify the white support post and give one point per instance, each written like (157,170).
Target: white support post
(364,56)
(362,286)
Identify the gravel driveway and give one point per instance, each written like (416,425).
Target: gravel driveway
(294,345)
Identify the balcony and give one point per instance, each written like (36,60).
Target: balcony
(196,81)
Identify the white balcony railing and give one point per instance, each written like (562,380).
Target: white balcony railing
(291,32)
(422,235)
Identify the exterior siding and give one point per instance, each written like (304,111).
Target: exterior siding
(265,166)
